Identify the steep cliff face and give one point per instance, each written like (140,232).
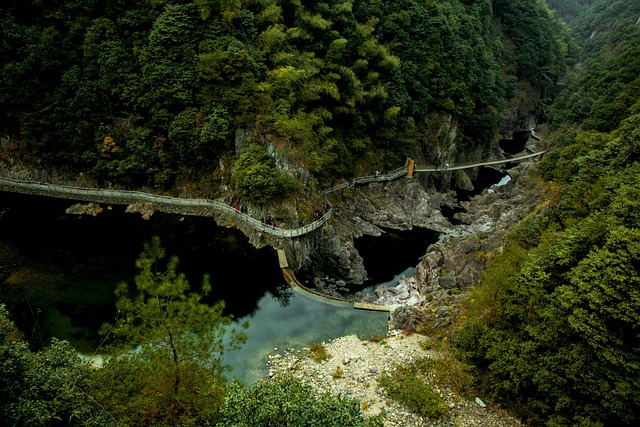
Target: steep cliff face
(400,205)
(403,204)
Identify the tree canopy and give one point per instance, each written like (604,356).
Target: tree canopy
(553,330)
(163,367)
(170,83)
(286,401)
(170,348)
(51,387)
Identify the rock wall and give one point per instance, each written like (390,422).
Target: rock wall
(455,264)
(404,204)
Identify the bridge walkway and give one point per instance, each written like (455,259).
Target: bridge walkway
(460,166)
(204,206)
(291,279)
(126,197)
(404,171)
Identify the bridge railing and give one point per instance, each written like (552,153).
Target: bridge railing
(395,174)
(127,196)
(469,165)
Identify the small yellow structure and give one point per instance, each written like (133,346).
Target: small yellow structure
(410,164)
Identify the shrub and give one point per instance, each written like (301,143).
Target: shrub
(317,352)
(378,338)
(452,372)
(426,344)
(405,386)
(337,373)
(257,179)
(286,401)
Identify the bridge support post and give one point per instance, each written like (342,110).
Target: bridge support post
(282,259)
(411,165)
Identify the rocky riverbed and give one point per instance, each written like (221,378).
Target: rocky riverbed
(454,264)
(363,362)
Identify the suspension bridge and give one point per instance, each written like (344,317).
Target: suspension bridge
(203,207)
(410,168)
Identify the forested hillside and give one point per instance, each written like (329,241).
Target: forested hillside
(143,92)
(569,9)
(554,330)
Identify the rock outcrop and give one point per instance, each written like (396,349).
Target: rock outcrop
(400,205)
(455,263)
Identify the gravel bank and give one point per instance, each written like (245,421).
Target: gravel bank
(362,363)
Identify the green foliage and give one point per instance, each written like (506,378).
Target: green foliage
(330,83)
(256,178)
(450,370)
(47,388)
(317,352)
(337,374)
(198,138)
(405,385)
(569,9)
(378,338)
(549,163)
(556,338)
(486,303)
(216,130)
(537,55)
(184,134)
(553,329)
(286,401)
(170,348)
(603,95)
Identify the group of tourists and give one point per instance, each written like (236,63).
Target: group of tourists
(268,220)
(319,213)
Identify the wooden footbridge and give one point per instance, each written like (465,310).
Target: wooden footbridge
(204,207)
(410,168)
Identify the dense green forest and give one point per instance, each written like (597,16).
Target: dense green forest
(554,330)
(569,9)
(147,92)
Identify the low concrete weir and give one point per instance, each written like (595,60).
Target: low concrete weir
(372,307)
(291,279)
(318,296)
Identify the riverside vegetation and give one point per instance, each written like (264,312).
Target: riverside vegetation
(159,89)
